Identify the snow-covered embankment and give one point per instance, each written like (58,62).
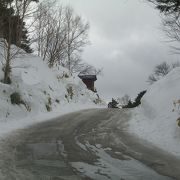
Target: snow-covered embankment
(155,119)
(46,93)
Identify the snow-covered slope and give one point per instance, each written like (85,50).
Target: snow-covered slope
(45,92)
(155,119)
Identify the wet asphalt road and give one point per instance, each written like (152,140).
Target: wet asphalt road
(72,147)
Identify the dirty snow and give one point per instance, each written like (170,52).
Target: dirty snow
(155,119)
(108,167)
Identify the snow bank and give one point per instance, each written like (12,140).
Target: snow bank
(46,93)
(155,119)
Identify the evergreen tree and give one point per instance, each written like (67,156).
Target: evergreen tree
(136,102)
(12,29)
(5,12)
(25,44)
(9,20)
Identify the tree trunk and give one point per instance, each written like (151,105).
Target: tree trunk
(7,47)
(7,68)
(69,59)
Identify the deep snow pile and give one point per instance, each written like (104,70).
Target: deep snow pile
(46,93)
(155,119)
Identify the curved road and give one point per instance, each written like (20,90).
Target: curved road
(89,144)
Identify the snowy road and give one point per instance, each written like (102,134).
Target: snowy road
(90,144)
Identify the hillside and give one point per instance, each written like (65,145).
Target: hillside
(45,93)
(155,119)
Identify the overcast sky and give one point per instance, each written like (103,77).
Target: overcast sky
(126,41)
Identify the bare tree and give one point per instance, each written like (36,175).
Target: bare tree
(77,36)
(7,61)
(171,27)
(170,11)
(43,26)
(161,70)
(60,36)
(152,78)
(50,33)
(11,52)
(6,45)
(123,101)
(175,64)
(57,44)
(167,7)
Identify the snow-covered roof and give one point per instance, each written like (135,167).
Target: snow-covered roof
(88,74)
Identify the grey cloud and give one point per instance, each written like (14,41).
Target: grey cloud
(125,40)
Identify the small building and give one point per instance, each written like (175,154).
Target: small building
(88,80)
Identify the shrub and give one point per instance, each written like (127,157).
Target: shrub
(16,98)
(178,121)
(57,101)
(70,92)
(97,101)
(49,100)
(177,106)
(48,104)
(66,75)
(48,107)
